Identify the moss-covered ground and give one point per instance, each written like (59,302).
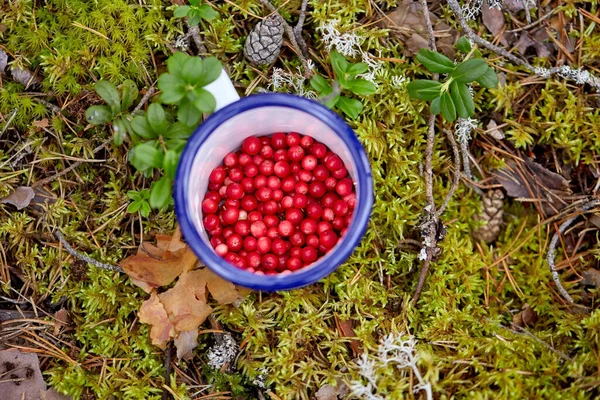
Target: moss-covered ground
(466,343)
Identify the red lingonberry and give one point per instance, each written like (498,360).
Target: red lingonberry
(223,191)
(292,139)
(254,216)
(278,247)
(273,182)
(348,219)
(340,173)
(288,184)
(306,142)
(265,140)
(297,238)
(213,186)
(328,214)
(338,223)
(232,203)
(328,239)
(270,207)
(300,200)
(270,262)
(230,160)
(314,211)
(212,195)
(282,266)
(251,145)
(266,151)
(258,229)
(242,228)
(228,231)
(247,185)
(235,191)
(230,215)
(308,226)
(301,187)
(216,232)
(277,195)
(329,199)
(317,189)
(343,233)
(231,257)
(216,240)
(251,171)
(281,169)
(318,150)
(263,245)
(334,163)
(280,155)
(330,183)
(305,176)
(295,168)
(309,254)
(285,228)
(266,167)
(249,243)
(234,242)
(340,208)
(287,202)
(209,206)
(294,263)
(257,159)
(260,181)
(217,175)
(309,163)
(253,259)
(272,233)
(244,160)
(243,215)
(263,194)
(270,220)
(312,240)
(323,226)
(296,153)
(351,200)
(293,215)
(236,174)
(344,187)
(221,249)
(249,202)
(279,140)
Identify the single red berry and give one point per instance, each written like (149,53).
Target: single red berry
(254,216)
(351,200)
(328,239)
(297,238)
(296,153)
(216,232)
(242,228)
(323,226)
(285,228)
(217,175)
(301,187)
(216,240)
(221,249)
(328,214)
(277,195)
(251,171)
(263,245)
(231,257)
(300,200)
(329,199)
(295,168)
(306,142)
(318,150)
(308,226)
(292,139)
(232,203)
(227,232)
(278,247)
(348,219)
(230,160)
(281,169)
(270,220)
(270,262)
(296,251)
(294,263)
(264,194)
(293,215)
(236,174)
(280,155)
(287,202)
(265,140)
(258,229)
(247,185)
(340,173)
(260,181)
(288,184)
(340,208)
(253,260)
(273,182)
(234,242)
(270,207)
(267,151)
(244,160)
(235,191)
(257,159)
(343,233)
(314,211)
(305,176)
(322,249)
(213,186)
(209,206)
(282,266)
(266,167)
(243,215)
(309,254)
(330,183)
(309,163)
(344,187)
(317,189)
(278,140)
(223,191)
(251,145)
(227,181)
(230,216)
(334,163)
(249,202)
(211,222)
(338,223)
(249,243)
(272,233)
(212,195)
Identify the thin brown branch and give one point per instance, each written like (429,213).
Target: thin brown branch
(299,26)
(429,25)
(456,173)
(83,257)
(194,32)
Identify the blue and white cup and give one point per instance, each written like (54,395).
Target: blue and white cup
(258,115)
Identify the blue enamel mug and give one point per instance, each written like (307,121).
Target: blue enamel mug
(259,115)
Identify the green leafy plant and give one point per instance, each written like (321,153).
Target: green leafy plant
(195,12)
(452,97)
(346,76)
(139,202)
(159,134)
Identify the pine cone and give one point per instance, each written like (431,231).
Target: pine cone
(264,42)
(492,203)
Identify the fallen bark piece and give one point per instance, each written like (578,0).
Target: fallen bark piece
(20,198)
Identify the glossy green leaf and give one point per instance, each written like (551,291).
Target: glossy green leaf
(170,163)
(463,45)
(172,88)
(361,87)
(157,118)
(194,17)
(178,130)
(109,94)
(129,92)
(357,69)
(160,193)
(470,70)
(119,131)
(435,62)
(140,126)
(463,101)
(145,194)
(351,107)
(435,106)
(145,209)
(320,84)
(133,207)
(188,113)
(424,89)
(207,13)
(447,107)
(146,155)
(489,79)
(134,195)
(195,3)
(97,115)
(204,101)
(181,11)
(193,70)
(175,63)
(339,63)
(212,69)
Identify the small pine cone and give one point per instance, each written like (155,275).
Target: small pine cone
(264,42)
(492,204)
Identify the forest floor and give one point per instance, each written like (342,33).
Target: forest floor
(491,321)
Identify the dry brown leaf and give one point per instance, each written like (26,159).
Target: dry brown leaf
(149,272)
(493,19)
(330,392)
(42,123)
(224,292)
(591,277)
(153,312)
(185,342)
(61,320)
(185,303)
(526,317)
(493,130)
(20,197)
(345,329)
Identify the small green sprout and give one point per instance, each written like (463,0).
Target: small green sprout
(139,202)
(195,12)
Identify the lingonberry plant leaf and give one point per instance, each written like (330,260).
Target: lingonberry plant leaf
(119,131)
(463,45)
(140,126)
(435,62)
(339,64)
(424,89)
(351,107)
(463,100)
(361,87)
(447,107)
(172,88)
(129,92)
(170,162)
(357,69)
(98,115)
(145,156)
(157,119)
(469,71)
(160,193)
(212,69)
(489,79)
(436,106)
(207,13)
(181,11)
(109,94)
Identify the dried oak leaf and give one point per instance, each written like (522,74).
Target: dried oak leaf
(591,277)
(526,317)
(20,197)
(330,392)
(185,342)
(153,312)
(493,19)
(345,327)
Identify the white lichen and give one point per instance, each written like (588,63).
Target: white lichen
(393,350)
(464,127)
(291,82)
(224,352)
(261,379)
(579,75)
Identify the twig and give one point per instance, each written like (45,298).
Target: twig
(534,23)
(429,25)
(144,99)
(553,243)
(289,31)
(83,257)
(12,116)
(194,31)
(299,26)
(464,149)
(456,175)
(540,341)
(168,355)
(51,106)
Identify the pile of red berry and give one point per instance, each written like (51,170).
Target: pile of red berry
(278,204)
